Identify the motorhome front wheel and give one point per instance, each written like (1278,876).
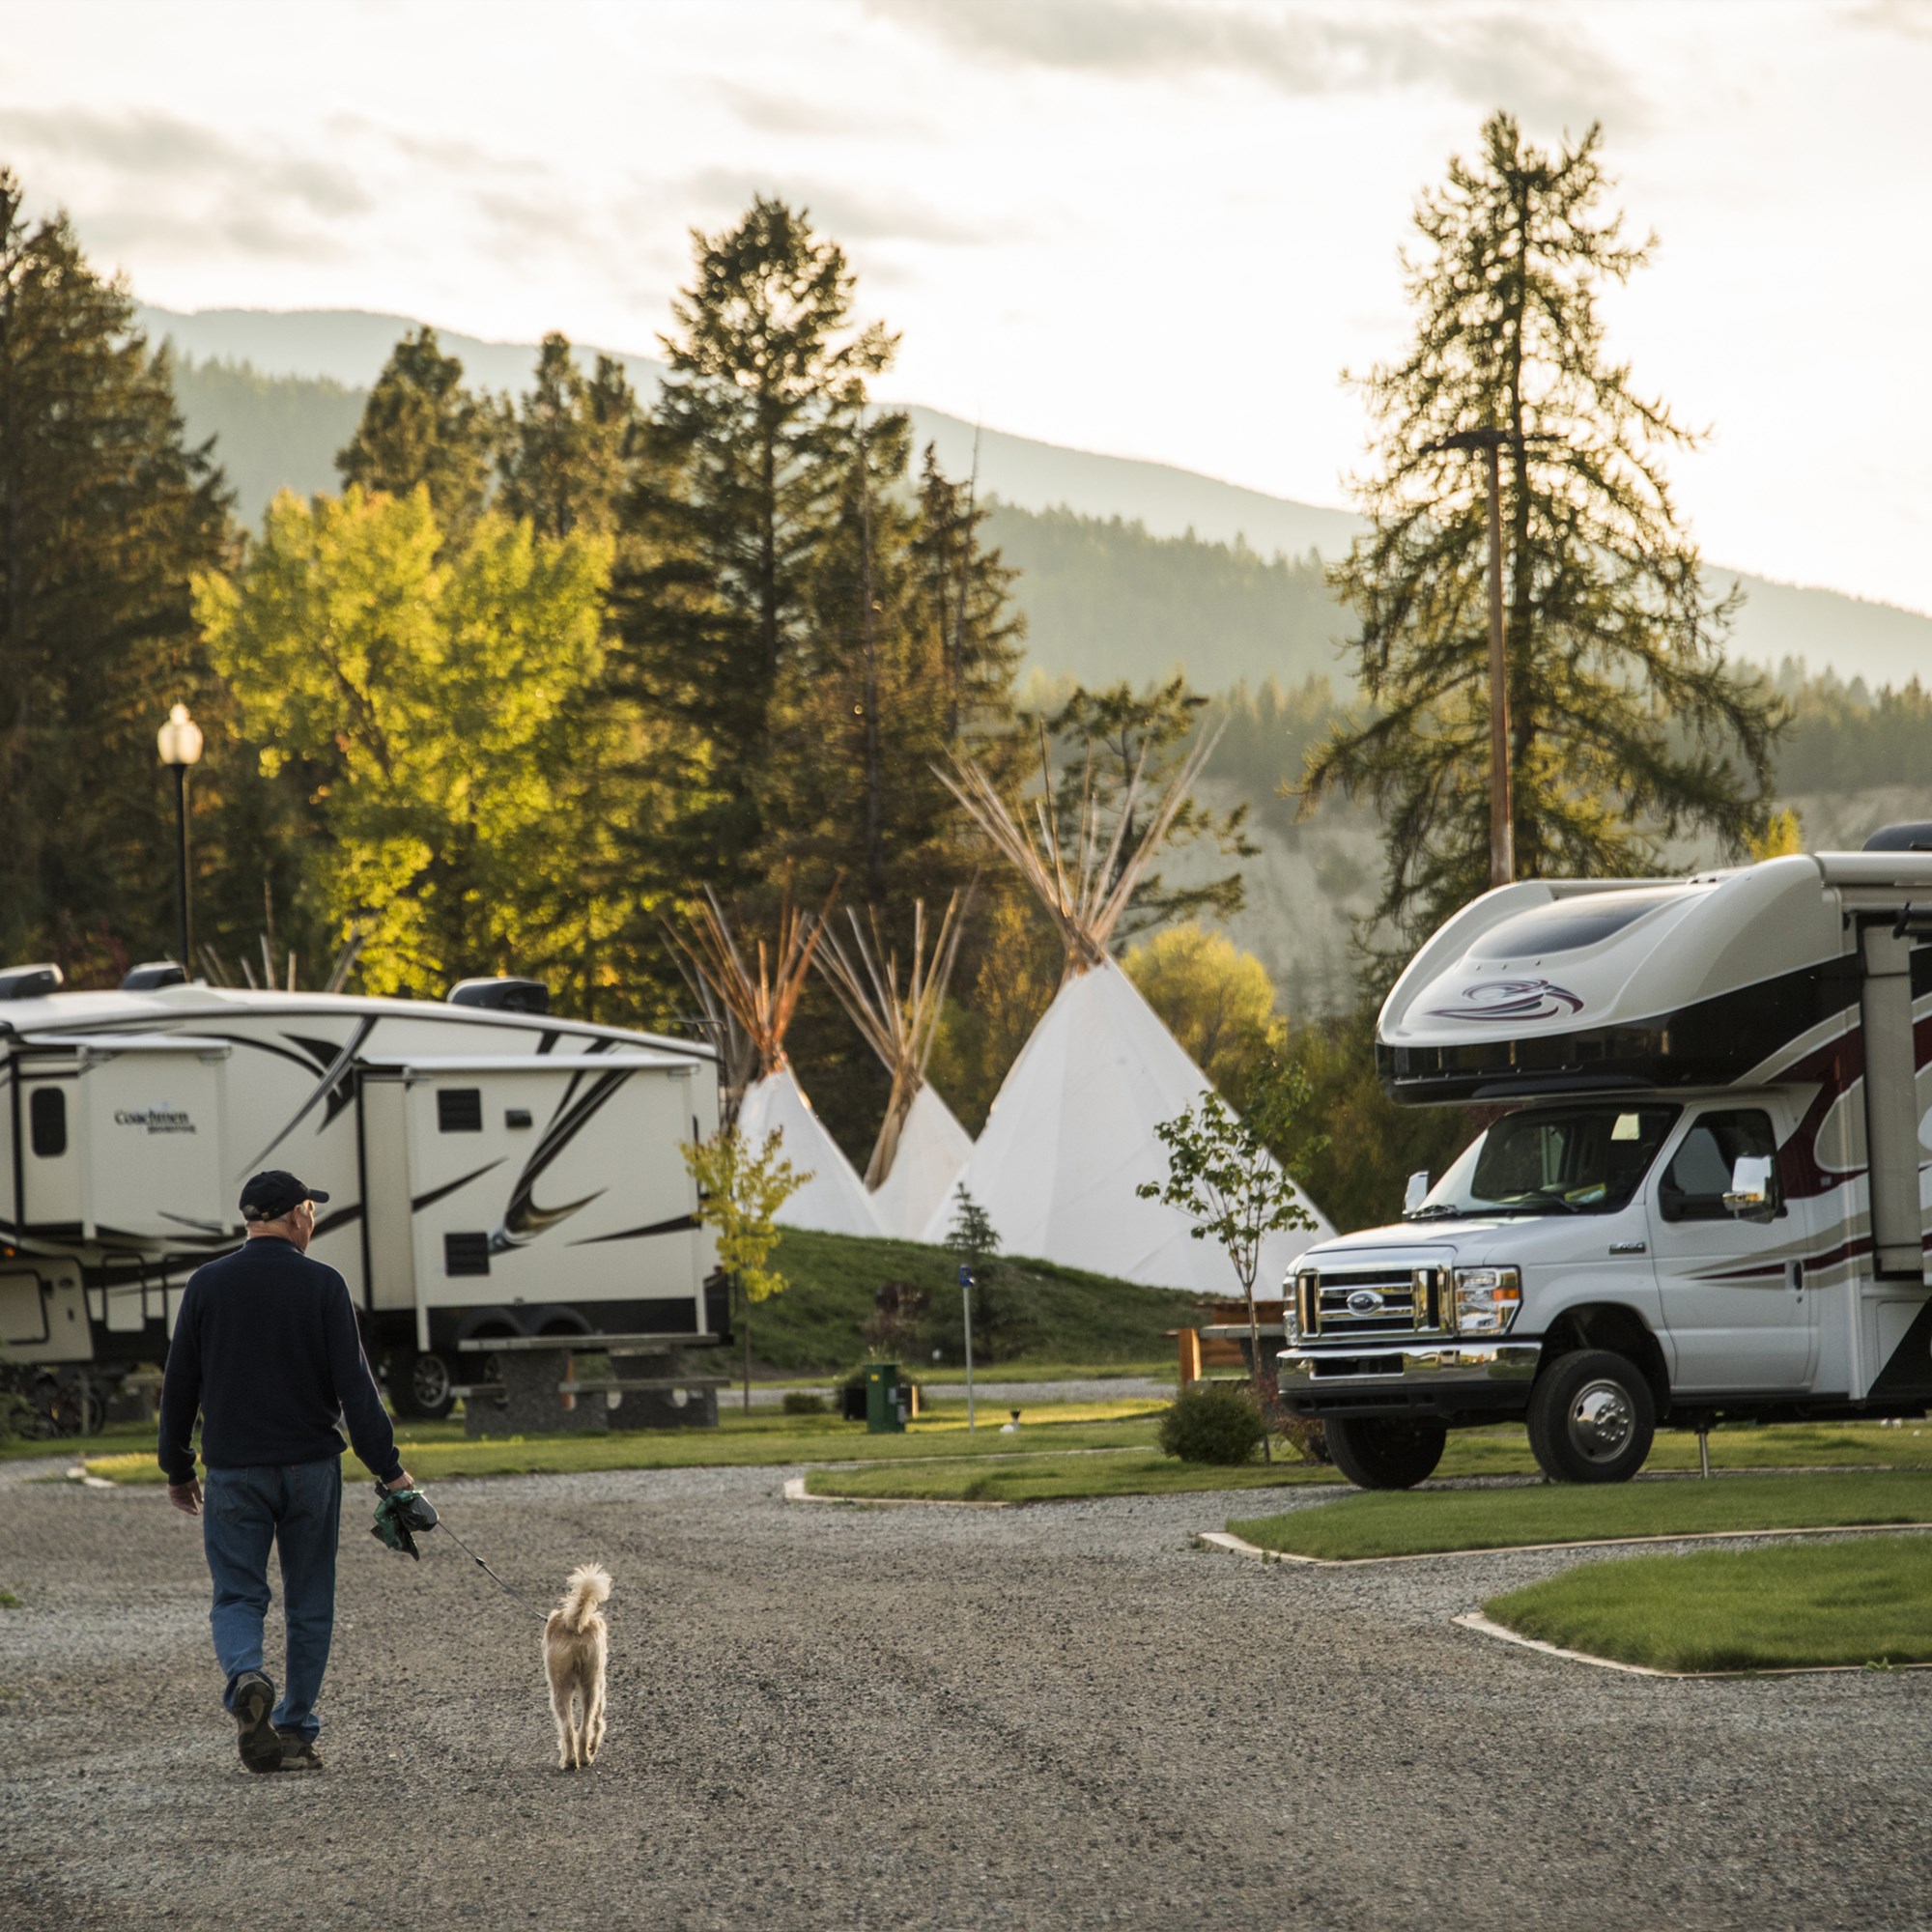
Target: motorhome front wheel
(1384,1453)
(1591,1418)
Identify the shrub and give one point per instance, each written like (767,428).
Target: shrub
(801,1402)
(1219,1422)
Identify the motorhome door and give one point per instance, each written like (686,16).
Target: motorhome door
(1740,1315)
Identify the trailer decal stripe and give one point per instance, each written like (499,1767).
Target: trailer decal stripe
(678,1224)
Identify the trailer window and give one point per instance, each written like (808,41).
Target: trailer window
(1554,1160)
(1699,1174)
(465,1254)
(47,1119)
(459,1110)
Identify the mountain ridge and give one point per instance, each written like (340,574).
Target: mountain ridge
(341,351)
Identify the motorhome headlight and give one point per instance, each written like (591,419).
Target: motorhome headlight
(1301,1304)
(1487,1299)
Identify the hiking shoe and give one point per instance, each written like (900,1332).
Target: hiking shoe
(260,1744)
(299,1753)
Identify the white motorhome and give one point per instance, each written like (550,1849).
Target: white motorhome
(1700,1191)
(492,1171)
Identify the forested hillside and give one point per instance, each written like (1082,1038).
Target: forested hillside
(1124,565)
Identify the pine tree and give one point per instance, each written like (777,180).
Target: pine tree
(105,514)
(420,425)
(565,458)
(1626,724)
(746,456)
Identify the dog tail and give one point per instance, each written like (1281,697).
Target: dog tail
(583,1590)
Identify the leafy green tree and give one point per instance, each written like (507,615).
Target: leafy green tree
(1215,999)
(105,515)
(566,455)
(1356,1174)
(1626,724)
(740,1189)
(748,450)
(1228,1174)
(431,693)
(421,426)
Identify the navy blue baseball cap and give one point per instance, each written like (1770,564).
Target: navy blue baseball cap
(271,1195)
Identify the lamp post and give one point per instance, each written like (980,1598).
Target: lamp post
(178,742)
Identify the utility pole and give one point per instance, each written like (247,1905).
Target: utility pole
(1502,795)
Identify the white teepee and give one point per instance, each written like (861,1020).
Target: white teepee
(920,1147)
(833,1200)
(1071,1133)
(932,1151)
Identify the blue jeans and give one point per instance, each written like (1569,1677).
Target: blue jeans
(298,1509)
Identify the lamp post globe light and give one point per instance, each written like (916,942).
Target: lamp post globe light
(178,742)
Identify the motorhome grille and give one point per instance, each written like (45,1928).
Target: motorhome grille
(1331,1367)
(1370,1302)
(465,1254)
(459,1110)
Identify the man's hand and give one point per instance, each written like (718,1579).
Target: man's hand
(186,1496)
(404,1481)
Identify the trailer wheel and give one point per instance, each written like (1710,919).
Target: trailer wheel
(1384,1453)
(1591,1418)
(421,1387)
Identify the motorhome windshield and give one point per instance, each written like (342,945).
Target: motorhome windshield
(1552,1160)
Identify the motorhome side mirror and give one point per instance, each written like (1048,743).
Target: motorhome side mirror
(1750,1195)
(1416,1192)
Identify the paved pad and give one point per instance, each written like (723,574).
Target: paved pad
(1062,1717)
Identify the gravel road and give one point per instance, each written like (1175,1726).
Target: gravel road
(1053,1717)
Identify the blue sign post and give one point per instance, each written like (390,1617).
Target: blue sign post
(966,1300)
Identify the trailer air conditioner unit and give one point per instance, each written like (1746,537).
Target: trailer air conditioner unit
(502,995)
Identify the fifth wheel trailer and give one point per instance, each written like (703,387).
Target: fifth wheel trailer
(1702,1192)
(492,1173)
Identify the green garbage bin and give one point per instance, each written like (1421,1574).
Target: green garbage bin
(885,1405)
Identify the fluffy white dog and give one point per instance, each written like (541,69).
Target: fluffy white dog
(575,1645)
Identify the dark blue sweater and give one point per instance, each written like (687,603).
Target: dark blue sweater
(266,1346)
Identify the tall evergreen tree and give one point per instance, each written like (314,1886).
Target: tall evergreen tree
(105,514)
(565,456)
(1625,723)
(745,458)
(421,425)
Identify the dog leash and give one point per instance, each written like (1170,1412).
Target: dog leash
(541,1616)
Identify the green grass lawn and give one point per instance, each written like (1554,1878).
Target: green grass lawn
(1037,1479)
(1417,1521)
(441,1450)
(1070,1316)
(1859,1602)
(437,1452)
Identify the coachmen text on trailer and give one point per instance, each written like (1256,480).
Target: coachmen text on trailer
(492,1171)
(1702,1189)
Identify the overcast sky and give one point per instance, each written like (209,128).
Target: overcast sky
(1152,227)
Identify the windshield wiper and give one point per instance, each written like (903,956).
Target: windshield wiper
(1435,1210)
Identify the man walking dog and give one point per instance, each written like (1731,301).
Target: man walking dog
(267,1349)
